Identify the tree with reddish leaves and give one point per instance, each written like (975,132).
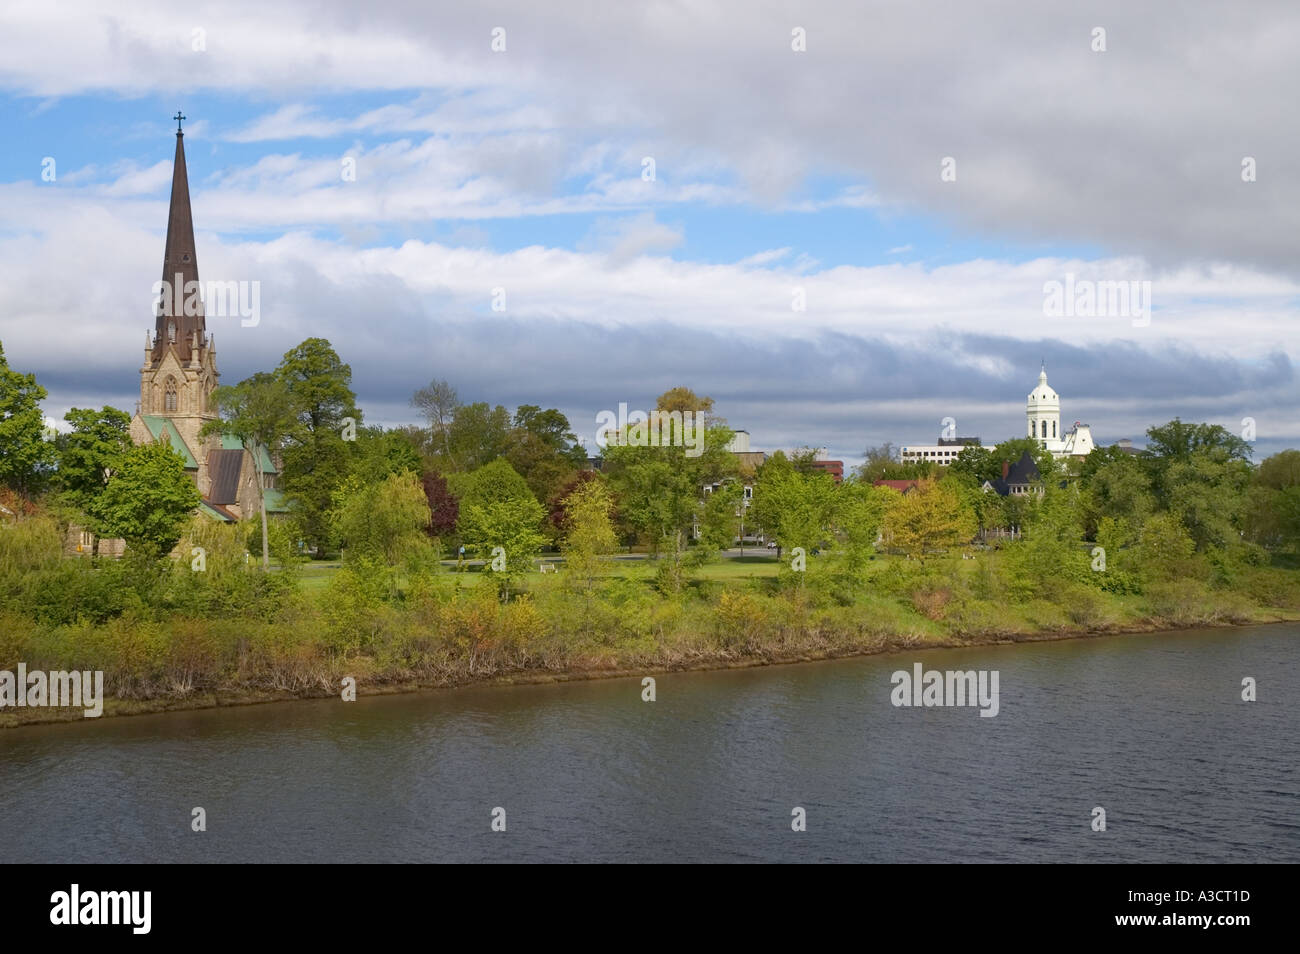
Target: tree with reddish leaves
(444,508)
(557,520)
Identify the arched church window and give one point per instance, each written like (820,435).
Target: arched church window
(169,400)
(1053,428)
(171,332)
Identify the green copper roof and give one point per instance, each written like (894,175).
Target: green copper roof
(209,512)
(275,502)
(161,427)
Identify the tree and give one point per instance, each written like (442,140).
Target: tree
(684,399)
(438,403)
(719,520)
(377,452)
(444,508)
(1119,489)
(975,465)
(499,521)
(148,500)
(25,455)
(929,517)
(90,454)
(1280,471)
(1166,550)
(859,512)
(478,434)
(660,489)
(259,411)
(384,522)
(315,453)
(880,463)
(796,507)
(1179,440)
(590,537)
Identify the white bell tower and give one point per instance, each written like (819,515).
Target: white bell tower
(1043,411)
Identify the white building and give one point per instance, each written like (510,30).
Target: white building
(1043,411)
(942,453)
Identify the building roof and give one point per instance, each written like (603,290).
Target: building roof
(223,468)
(217,512)
(162,427)
(232,442)
(1023,471)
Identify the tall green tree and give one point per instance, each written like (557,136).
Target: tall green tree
(148,500)
(859,513)
(260,412)
(383,524)
(660,489)
(795,507)
(90,453)
(316,456)
(590,536)
(478,434)
(500,521)
(25,454)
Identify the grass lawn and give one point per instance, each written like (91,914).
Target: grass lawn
(315,575)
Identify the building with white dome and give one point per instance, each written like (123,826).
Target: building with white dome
(1043,411)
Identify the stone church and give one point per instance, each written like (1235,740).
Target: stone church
(180,372)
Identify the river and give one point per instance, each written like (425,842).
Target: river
(1152,728)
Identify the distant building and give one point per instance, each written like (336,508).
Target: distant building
(942,453)
(1017,479)
(1043,411)
(1043,424)
(833,467)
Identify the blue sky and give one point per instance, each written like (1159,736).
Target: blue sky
(777,173)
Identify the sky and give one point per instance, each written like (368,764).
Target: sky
(837,219)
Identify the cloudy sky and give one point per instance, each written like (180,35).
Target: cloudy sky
(781,177)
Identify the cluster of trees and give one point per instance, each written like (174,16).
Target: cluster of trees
(501,485)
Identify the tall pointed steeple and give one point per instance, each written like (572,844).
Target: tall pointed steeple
(180,268)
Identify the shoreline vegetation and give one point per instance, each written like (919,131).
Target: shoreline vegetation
(226,698)
(458,633)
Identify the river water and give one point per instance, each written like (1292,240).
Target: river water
(1151,728)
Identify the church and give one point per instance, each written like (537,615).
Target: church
(179,374)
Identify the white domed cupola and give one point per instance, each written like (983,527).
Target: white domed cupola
(1043,411)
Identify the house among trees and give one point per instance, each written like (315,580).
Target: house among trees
(1017,479)
(179,375)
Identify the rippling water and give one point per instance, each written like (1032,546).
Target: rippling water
(1151,728)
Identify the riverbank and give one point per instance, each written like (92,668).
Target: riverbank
(813,647)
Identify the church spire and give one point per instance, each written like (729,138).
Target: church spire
(174,327)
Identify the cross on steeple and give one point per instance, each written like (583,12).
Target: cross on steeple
(178,117)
